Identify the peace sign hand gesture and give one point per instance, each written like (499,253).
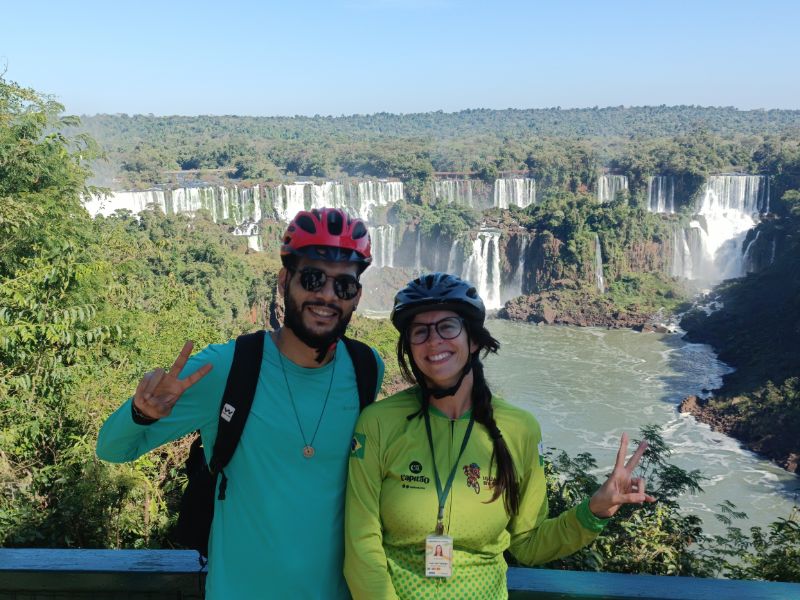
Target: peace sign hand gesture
(158,391)
(621,487)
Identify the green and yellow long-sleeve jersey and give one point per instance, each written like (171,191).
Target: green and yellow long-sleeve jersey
(392,504)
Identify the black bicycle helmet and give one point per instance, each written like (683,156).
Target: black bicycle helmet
(437,291)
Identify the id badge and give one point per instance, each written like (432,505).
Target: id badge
(438,556)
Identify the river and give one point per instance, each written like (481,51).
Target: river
(587,385)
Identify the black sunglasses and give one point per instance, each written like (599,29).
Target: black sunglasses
(344,286)
(447,328)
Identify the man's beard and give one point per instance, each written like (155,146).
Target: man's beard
(293,319)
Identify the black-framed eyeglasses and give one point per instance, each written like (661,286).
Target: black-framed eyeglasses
(345,286)
(447,328)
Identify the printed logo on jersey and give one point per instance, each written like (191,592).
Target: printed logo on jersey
(227,412)
(357,445)
(414,481)
(473,473)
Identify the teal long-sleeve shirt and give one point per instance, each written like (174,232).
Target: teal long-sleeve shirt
(279,532)
(392,504)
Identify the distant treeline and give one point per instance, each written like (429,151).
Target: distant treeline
(559,148)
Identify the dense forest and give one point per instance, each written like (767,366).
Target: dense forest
(561,149)
(87,305)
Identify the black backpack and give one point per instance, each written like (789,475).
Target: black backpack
(197,504)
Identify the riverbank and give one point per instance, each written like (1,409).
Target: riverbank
(755,328)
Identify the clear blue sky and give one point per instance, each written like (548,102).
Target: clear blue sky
(365,56)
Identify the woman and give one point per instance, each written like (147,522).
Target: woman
(446,463)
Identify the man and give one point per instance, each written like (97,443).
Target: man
(279,531)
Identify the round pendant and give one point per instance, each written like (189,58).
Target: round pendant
(308,451)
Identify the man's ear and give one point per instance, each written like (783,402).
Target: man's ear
(357,299)
(283,279)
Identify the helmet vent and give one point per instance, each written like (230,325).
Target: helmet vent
(306,223)
(335,223)
(359,231)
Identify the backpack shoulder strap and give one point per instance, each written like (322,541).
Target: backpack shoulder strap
(366,368)
(238,397)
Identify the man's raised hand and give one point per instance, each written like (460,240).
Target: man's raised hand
(159,390)
(621,487)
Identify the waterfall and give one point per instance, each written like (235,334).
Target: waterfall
(454,191)
(248,204)
(516,281)
(514,192)
(747,259)
(598,265)
(729,208)
(661,194)
(772,254)
(134,202)
(681,255)
(482,267)
(609,185)
(452,257)
(712,248)
(383,245)
(418,252)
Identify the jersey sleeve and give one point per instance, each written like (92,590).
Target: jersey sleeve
(121,439)
(365,565)
(535,539)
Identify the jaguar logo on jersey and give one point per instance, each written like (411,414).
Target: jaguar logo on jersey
(357,445)
(473,473)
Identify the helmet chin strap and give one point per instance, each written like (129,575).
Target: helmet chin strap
(440,393)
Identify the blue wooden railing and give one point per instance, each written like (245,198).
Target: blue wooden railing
(160,574)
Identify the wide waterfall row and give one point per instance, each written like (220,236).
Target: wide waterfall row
(661,194)
(514,192)
(609,185)
(711,249)
(240,204)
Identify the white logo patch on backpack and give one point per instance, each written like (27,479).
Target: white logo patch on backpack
(227,412)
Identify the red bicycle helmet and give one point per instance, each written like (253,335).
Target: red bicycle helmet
(327,234)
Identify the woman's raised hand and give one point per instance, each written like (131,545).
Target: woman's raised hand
(621,487)
(159,390)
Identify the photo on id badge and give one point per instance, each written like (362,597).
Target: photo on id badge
(438,556)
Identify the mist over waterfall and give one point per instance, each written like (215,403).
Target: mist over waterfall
(609,185)
(711,249)
(661,194)
(514,192)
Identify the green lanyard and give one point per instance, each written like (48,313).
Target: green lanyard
(443,493)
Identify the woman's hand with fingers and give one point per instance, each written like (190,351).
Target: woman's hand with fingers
(621,487)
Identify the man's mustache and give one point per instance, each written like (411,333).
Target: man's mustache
(324,305)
